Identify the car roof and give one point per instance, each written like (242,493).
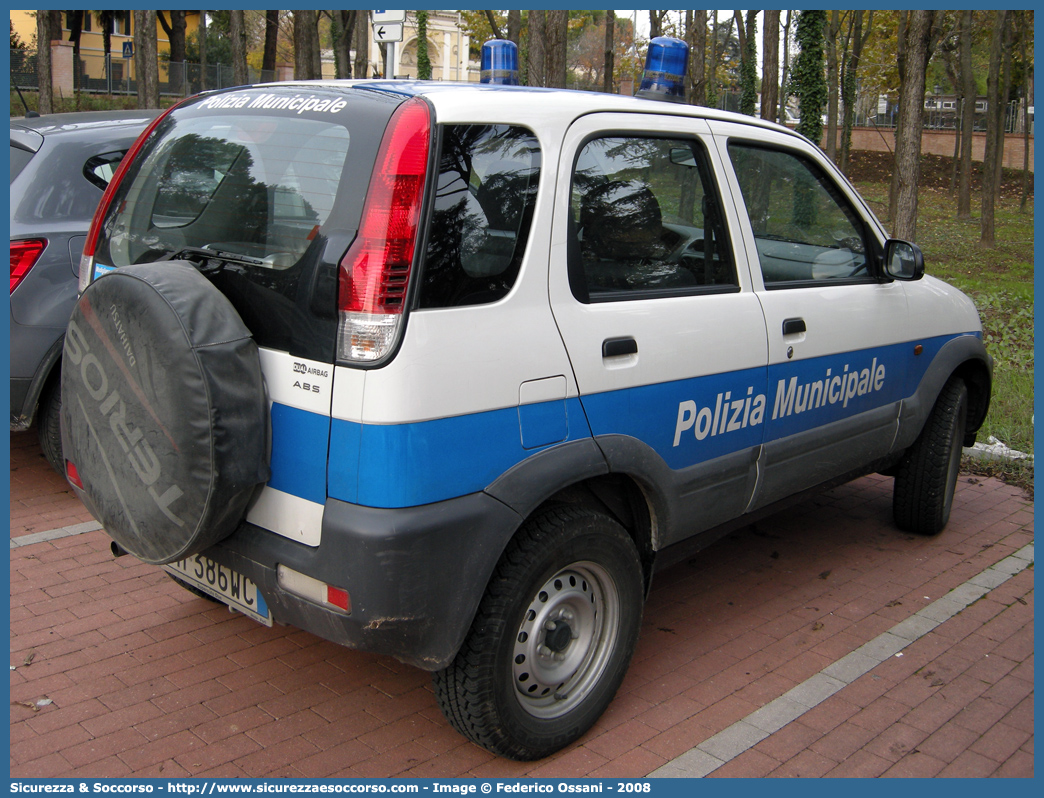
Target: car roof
(51,124)
(456,100)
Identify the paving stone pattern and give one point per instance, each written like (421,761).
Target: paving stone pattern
(143,679)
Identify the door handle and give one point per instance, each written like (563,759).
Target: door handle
(615,347)
(793,326)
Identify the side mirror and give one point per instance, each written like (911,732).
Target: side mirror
(903,260)
(682,156)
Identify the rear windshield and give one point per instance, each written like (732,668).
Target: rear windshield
(270,180)
(253,185)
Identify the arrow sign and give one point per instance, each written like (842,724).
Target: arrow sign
(387,32)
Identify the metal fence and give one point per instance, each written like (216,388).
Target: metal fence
(97,73)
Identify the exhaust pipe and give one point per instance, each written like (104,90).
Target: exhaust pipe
(114,547)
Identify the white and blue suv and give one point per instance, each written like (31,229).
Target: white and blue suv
(445,371)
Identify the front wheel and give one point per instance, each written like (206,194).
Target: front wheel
(927,475)
(552,638)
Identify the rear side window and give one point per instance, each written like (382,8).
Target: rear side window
(484,197)
(100,169)
(647,221)
(19,160)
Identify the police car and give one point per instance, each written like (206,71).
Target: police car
(444,371)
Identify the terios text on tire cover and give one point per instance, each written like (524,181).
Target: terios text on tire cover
(443,371)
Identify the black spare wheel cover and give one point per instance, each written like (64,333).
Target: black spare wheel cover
(164,410)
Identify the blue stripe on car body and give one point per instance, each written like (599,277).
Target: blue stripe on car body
(686,422)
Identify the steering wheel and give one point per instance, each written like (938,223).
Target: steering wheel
(860,268)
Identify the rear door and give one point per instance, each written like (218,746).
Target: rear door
(653,300)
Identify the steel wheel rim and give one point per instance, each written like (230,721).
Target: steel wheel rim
(565,640)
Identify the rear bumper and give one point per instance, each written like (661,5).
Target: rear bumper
(415,575)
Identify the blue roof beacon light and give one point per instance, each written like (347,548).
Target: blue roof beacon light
(666,65)
(499,63)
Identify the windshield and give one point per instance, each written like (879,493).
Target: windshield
(253,184)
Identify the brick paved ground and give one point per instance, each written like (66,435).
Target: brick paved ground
(144,679)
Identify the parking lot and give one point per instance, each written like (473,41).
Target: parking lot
(818,642)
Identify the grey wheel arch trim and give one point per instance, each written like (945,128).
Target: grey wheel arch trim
(50,361)
(965,355)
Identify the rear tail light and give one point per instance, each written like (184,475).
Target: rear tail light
(375,272)
(87,258)
(24,255)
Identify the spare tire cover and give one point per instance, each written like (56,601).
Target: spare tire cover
(164,411)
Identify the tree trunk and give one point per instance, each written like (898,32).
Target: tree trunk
(748,67)
(784,85)
(268,59)
(145,65)
(305,45)
(342,45)
(514,26)
(655,24)
(859,39)
(608,81)
(105,20)
(908,142)
(832,31)
(696,32)
(1027,96)
(237,30)
(362,45)
(993,132)
(43,62)
(176,75)
(423,58)
(809,80)
(1002,106)
(537,44)
(555,54)
(201,34)
(712,74)
(314,50)
(967,117)
(770,66)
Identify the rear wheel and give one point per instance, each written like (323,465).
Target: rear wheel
(927,475)
(552,638)
(48,423)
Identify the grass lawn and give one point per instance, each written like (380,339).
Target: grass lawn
(1000,282)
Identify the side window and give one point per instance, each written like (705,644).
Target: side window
(100,169)
(645,221)
(804,227)
(484,198)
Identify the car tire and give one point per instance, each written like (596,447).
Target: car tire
(927,475)
(48,422)
(165,413)
(552,638)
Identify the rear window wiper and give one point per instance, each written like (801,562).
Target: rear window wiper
(204,257)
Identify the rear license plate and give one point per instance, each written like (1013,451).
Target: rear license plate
(224,584)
